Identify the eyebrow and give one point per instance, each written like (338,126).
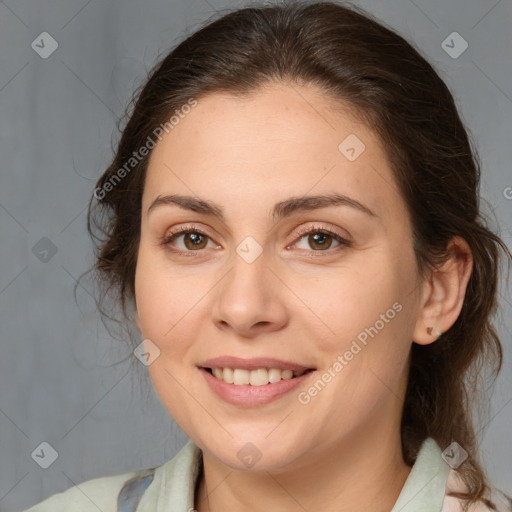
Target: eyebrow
(281,210)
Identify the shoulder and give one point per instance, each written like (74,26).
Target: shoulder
(91,495)
(501,501)
(124,491)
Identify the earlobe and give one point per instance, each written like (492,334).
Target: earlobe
(445,292)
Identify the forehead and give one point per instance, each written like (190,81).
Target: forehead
(280,140)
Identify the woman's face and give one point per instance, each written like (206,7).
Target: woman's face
(297,256)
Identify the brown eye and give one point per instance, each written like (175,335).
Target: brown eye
(320,241)
(186,241)
(194,241)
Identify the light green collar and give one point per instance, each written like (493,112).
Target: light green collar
(173,487)
(425,486)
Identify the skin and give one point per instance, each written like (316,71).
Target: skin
(297,301)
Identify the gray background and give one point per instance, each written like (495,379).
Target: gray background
(57,382)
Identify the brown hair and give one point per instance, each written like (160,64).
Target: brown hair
(361,63)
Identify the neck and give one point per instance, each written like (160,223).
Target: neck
(361,473)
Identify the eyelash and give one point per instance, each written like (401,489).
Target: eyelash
(310,230)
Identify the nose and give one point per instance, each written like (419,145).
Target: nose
(251,299)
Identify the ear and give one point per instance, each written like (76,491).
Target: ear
(444,292)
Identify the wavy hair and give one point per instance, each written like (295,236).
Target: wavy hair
(362,63)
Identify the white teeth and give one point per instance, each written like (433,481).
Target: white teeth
(274,375)
(240,377)
(259,377)
(228,375)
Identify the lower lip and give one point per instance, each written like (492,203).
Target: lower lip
(252,396)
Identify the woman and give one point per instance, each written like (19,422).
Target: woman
(291,219)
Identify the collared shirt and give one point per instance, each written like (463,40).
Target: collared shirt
(171,487)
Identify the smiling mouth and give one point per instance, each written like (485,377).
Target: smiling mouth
(259,377)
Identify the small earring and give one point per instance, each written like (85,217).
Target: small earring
(438,333)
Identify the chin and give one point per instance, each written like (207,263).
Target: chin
(258,454)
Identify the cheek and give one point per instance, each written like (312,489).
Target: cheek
(354,299)
(163,300)
(369,319)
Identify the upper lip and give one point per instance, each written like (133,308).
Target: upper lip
(252,364)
